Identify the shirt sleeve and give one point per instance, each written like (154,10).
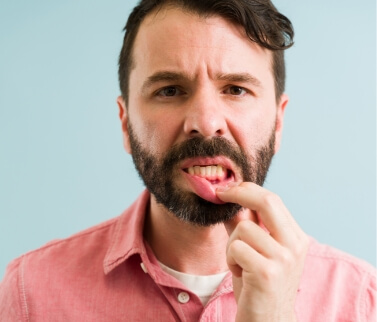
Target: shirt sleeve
(10,301)
(370,300)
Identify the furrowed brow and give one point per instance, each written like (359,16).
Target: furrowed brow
(240,78)
(163,76)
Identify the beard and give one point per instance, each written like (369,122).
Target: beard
(158,175)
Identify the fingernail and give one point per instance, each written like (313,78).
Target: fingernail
(228,186)
(233,184)
(222,189)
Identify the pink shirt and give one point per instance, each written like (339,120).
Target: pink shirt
(96,275)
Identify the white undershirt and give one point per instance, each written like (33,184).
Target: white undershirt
(202,286)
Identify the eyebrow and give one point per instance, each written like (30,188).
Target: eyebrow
(167,76)
(161,77)
(240,78)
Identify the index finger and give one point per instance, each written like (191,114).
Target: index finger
(273,213)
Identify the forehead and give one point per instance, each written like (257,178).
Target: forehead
(175,20)
(172,38)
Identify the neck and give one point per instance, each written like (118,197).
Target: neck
(185,247)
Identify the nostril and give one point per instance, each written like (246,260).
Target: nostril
(204,122)
(195,133)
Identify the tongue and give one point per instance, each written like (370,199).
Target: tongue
(205,189)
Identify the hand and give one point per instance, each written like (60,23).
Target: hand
(266,264)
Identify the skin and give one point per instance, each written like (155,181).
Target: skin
(213,97)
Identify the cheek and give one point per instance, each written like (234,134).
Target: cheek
(254,131)
(154,135)
(161,130)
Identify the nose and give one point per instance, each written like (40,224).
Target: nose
(205,116)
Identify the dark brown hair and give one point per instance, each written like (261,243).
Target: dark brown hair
(262,22)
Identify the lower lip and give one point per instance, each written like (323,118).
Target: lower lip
(204,188)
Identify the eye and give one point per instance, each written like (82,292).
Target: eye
(169,91)
(236,90)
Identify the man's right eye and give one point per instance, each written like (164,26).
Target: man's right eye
(169,91)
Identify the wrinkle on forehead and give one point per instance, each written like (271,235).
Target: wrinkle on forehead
(175,40)
(156,17)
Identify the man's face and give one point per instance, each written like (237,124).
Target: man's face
(201,112)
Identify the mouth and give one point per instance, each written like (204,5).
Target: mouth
(205,175)
(215,174)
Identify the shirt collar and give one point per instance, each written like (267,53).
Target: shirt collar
(126,237)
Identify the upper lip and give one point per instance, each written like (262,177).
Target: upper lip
(206,161)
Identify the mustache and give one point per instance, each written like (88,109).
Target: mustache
(199,147)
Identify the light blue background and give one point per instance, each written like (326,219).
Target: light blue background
(63,167)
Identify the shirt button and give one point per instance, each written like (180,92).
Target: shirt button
(183,297)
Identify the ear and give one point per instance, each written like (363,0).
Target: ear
(123,116)
(280,120)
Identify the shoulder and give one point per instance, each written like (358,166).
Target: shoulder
(86,249)
(72,270)
(61,254)
(41,269)
(329,258)
(341,285)
(93,239)
(91,242)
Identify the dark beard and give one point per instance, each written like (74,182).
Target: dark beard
(158,175)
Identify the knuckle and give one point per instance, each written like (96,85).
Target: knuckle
(270,199)
(300,249)
(233,246)
(243,227)
(297,249)
(287,258)
(270,273)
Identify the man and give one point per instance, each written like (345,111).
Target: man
(202,110)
